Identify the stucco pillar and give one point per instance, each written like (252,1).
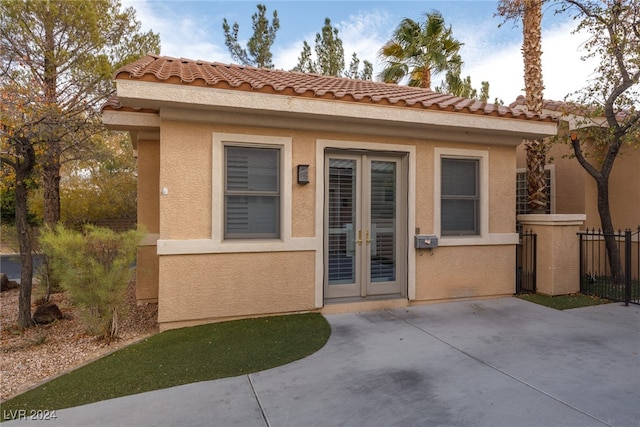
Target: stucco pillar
(147,271)
(558,256)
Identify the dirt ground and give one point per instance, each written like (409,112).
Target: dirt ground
(33,356)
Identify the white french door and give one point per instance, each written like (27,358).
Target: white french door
(365,225)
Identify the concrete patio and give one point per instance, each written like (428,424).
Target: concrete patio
(502,362)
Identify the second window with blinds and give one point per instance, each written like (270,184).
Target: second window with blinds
(460,196)
(251,192)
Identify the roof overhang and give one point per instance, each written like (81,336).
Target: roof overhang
(203,104)
(141,125)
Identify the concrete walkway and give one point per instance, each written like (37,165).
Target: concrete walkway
(502,362)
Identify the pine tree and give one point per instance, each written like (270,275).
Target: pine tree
(258,51)
(330,57)
(61,56)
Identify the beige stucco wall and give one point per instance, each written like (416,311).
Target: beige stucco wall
(303,196)
(558,269)
(148,164)
(147,274)
(185,177)
(570,182)
(200,288)
(624,186)
(424,189)
(576,191)
(465,272)
(186,173)
(502,189)
(203,288)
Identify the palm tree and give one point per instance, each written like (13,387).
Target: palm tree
(536,149)
(530,11)
(418,50)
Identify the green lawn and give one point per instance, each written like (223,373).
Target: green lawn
(564,302)
(182,356)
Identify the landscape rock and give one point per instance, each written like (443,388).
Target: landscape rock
(6,284)
(35,355)
(46,314)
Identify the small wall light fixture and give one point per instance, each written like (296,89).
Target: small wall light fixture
(303,174)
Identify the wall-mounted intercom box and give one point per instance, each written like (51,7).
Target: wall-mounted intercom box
(423,241)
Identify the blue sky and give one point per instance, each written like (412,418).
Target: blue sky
(193,29)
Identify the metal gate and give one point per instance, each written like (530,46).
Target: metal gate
(526,262)
(596,277)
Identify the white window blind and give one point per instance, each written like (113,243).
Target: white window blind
(252,192)
(460,196)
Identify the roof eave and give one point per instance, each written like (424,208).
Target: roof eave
(411,121)
(141,125)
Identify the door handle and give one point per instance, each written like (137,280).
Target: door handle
(359,241)
(368,239)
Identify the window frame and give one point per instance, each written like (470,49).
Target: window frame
(483,237)
(218,242)
(277,194)
(475,198)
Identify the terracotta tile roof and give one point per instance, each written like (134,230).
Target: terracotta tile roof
(163,69)
(113,103)
(563,107)
(559,106)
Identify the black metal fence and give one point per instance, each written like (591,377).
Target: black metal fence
(526,262)
(596,277)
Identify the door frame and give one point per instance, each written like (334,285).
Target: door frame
(408,154)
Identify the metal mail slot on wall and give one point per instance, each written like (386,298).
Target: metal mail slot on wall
(423,241)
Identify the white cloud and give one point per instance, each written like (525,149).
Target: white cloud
(285,58)
(563,70)
(185,38)
(364,34)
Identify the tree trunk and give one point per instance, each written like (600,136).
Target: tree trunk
(51,164)
(23,171)
(613,251)
(602,183)
(51,185)
(532,54)
(536,149)
(536,179)
(425,81)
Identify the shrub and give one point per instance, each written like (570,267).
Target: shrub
(94,266)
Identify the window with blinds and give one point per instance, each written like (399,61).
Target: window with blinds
(252,193)
(460,196)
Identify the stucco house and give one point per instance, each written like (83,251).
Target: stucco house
(571,189)
(266,191)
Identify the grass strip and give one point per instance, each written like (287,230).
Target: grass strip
(564,302)
(182,356)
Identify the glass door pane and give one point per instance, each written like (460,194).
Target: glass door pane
(342,222)
(382,222)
